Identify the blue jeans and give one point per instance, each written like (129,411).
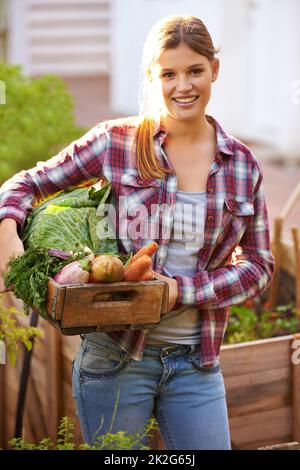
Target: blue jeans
(116,393)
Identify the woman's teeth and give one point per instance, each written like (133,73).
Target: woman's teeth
(185,100)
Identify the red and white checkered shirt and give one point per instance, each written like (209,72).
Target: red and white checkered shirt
(235,262)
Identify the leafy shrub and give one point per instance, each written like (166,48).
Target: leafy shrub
(36,121)
(249,322)
(12,334)
(109,441)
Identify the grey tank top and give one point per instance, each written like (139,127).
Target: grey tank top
(182,325)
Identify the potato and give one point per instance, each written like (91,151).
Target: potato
(107,268)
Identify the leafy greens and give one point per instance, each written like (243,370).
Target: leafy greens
(70,218)
(29,274)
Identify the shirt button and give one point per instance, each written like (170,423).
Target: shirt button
(210,190)
(219,157)
(210,218)
(140,181)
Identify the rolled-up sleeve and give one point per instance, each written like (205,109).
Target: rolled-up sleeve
(78,164)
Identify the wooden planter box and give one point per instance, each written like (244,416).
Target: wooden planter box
(76,309)
(263,391)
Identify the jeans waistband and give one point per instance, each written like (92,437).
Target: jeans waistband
(163,351)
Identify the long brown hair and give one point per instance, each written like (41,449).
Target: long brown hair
(167,33)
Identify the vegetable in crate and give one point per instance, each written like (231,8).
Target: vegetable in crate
(106,268)
(28,275)
(74,273)
(138,268)
(148,250)
(68,219)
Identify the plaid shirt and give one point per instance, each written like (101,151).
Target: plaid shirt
(235,262)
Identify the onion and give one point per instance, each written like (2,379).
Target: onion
(72,273)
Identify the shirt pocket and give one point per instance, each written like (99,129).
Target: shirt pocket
(135,191)
(236,216)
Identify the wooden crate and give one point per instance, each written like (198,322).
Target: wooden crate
(75,309)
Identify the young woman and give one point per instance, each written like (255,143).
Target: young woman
(201,196)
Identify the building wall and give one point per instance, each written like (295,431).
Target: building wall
(66,37)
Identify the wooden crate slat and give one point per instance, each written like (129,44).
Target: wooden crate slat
(258,391)
(267,425)
(255,356)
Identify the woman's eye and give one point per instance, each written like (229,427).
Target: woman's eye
(167,75)
(197,71)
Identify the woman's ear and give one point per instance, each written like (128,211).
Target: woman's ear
(215,65)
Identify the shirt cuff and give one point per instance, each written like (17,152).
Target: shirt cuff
(195,290)
(16,214)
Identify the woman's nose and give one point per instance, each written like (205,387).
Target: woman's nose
(183,84)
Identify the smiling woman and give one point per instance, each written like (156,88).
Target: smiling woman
(200,191)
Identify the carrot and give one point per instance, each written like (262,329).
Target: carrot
(138,269)
(147,276)
(149,250)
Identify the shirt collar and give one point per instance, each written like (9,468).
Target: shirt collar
(224,141)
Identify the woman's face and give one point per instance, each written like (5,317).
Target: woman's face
(183,81)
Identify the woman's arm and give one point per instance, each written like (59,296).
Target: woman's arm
(249,273)
(80,163)
(10,245)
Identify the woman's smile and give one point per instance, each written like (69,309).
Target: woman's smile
(185,102)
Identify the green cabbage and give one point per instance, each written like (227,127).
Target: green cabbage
(70,220)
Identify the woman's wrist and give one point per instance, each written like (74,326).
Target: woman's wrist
(173,289)
(8,224)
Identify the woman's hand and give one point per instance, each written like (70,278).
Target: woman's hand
(10,246)
(173,289)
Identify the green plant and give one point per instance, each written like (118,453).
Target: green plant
(13,334)
(249,322)
(241,325)
(36,121)
(110,441)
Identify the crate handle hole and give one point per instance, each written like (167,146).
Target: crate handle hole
(115,296)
